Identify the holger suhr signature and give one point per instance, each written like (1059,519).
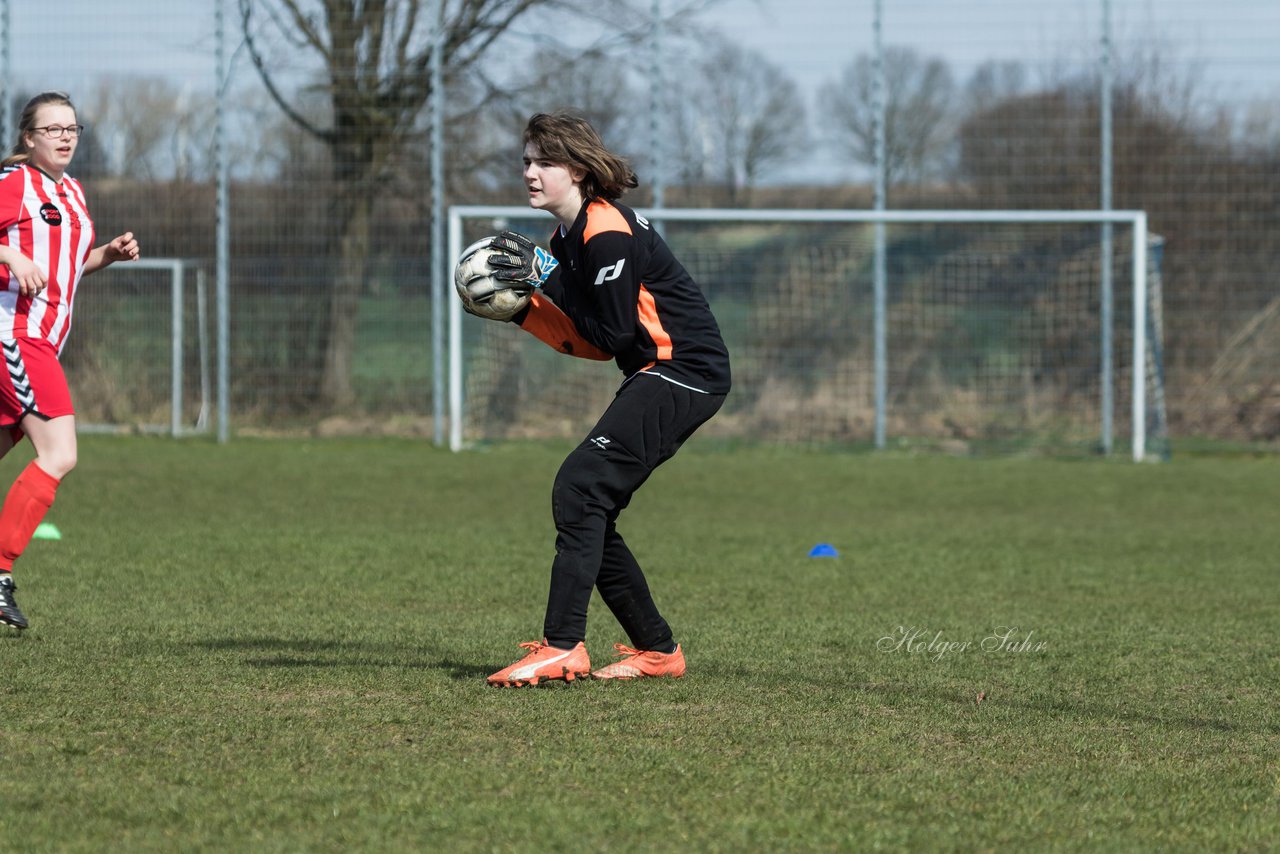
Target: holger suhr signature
(935,645)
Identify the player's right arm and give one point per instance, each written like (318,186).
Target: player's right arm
(544,320)
(27,273)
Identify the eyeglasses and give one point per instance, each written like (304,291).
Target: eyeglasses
(56,131)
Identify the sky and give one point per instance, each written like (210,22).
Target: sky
(1235,41)
(1228,46)
(810,39)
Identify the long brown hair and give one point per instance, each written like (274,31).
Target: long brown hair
(570,140)
(26,125)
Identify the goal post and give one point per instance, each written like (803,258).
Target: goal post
(995,311)
(138,356)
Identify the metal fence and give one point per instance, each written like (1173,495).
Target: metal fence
(325,313)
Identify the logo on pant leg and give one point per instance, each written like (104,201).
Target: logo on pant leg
(601,442)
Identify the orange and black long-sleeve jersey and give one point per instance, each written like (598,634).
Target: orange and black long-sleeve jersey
(620,293)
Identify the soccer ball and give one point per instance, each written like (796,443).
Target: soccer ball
(481,293)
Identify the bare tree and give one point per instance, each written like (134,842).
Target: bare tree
(153,130)
(485,144)
(918,119)
(597,90)
(1260,127)
(993,82)
(742,115)
(373,58)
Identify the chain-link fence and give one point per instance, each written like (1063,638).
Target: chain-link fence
(1171,108)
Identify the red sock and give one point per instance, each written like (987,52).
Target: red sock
(29,498)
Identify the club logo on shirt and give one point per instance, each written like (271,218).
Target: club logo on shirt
(50,214)
(608,274)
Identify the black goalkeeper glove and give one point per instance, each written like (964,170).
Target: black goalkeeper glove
(517,259)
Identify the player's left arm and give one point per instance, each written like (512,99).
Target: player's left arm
(122,248)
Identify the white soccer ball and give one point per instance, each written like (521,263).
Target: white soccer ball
(481,293)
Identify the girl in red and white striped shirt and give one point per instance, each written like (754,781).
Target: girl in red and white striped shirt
(46,246)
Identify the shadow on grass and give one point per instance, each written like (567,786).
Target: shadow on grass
(326,652)
(1067,708)
(931,697)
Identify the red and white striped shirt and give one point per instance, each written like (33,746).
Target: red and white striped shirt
(47,221)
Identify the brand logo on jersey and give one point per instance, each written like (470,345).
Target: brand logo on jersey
(601,442)
(642,221)
(50,214)
(608,274)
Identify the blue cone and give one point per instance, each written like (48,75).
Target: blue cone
(823,550)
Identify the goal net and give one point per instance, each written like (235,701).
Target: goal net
(138,356)
(970,331)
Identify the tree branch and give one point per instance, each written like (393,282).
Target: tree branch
(246,13)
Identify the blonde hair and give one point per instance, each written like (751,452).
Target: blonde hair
(20,153)
(570,140)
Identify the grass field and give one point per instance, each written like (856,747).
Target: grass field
(281,646)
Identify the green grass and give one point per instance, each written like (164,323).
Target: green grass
(281,646)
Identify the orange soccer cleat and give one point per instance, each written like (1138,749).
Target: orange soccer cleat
(544,662)
(637,664)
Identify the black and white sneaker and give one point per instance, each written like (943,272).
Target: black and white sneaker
(9,613)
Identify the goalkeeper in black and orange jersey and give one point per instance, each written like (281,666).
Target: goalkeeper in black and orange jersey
(610,289)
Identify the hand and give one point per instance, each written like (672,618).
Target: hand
(123,248)
(484,296)
(31,279)
(481,291)
(517,259)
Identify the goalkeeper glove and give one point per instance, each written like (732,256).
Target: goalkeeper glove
(517,259)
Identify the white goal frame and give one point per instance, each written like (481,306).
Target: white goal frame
(1135,219)
(177,269)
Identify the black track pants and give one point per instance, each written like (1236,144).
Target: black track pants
(647,422)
